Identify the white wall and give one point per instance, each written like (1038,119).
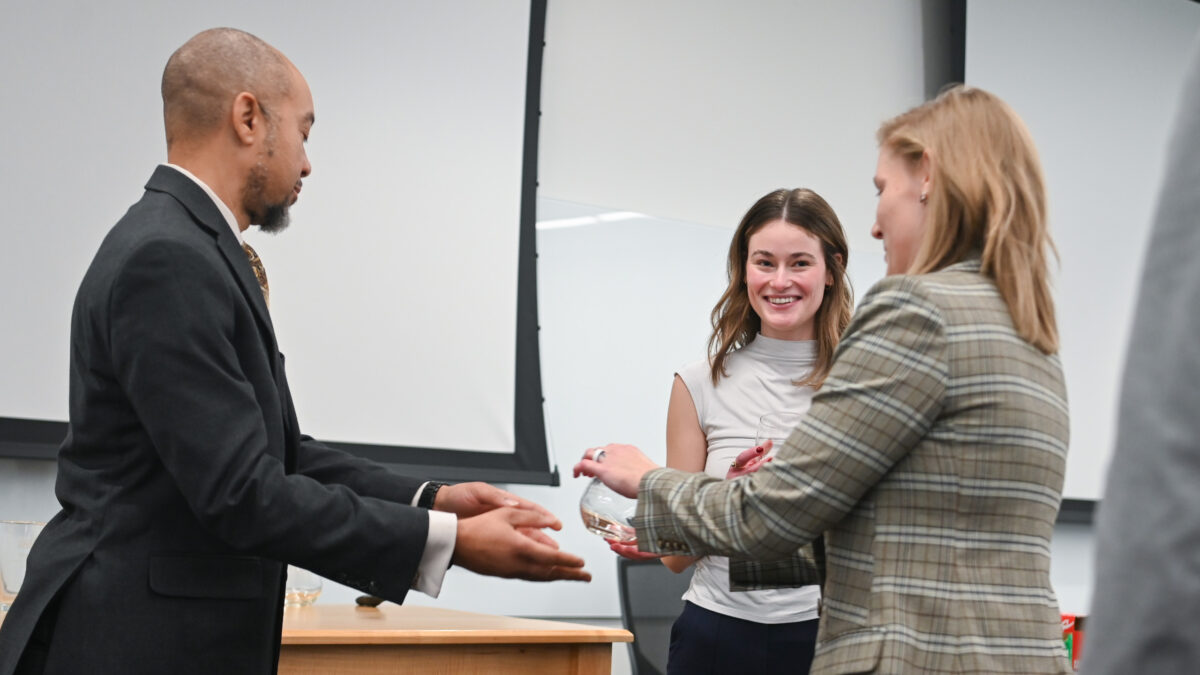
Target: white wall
(621,307)
(691,110)
(1097,82)
(687,111)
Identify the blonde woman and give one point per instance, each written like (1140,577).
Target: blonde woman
(933,456)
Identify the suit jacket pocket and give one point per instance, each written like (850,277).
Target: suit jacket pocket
(208,577)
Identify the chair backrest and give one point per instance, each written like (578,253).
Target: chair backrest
(651,600)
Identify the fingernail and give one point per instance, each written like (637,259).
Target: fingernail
(759,449)
(512,502)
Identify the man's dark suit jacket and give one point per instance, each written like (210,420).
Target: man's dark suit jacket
(184,479)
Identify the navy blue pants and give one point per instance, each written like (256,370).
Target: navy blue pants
(704,641)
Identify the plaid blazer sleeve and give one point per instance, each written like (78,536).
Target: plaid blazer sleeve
(883,394)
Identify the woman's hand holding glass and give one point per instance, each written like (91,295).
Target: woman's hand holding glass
(749,461)
(773,428)
(621,467)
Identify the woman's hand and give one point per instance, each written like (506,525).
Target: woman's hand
(629,549)
(749,461)
(620,467)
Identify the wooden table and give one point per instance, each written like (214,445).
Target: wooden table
(348,640)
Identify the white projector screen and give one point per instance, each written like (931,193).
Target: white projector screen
(404,292)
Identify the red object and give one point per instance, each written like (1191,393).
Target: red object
(1073,625)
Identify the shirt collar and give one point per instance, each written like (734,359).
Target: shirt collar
(230,219)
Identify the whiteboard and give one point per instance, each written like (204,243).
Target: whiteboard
(394,290)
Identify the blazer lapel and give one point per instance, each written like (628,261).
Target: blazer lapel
(206,214)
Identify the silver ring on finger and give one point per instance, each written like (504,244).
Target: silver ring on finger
(598,455)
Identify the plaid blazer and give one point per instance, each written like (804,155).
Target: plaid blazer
(932,459)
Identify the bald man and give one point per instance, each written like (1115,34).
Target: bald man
(185,482)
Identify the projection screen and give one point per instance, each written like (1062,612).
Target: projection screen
(403,293)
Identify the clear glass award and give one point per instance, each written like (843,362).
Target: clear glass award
(607,513)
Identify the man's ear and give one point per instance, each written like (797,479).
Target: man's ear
(247,118)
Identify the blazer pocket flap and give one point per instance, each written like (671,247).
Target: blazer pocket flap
(854,652)
(211,577)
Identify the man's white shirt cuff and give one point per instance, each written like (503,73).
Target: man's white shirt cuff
(439,548)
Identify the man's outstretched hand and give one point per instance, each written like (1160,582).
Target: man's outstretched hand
(509,542)
(471,499)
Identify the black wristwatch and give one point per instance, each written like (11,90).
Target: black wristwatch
(425,501)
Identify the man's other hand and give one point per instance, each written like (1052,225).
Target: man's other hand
(471,499)
(509,542)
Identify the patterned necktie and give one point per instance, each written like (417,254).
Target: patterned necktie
(260,272)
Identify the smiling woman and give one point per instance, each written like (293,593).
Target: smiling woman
(781,240)
(774,332)
(786,280)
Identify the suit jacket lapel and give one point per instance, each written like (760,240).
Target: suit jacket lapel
(206,214)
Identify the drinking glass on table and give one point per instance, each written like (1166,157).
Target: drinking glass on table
(16,538)
(301,588)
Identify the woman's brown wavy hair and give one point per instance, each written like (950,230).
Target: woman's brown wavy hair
(734,322)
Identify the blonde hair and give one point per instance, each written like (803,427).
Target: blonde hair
(987,197)
(735,323)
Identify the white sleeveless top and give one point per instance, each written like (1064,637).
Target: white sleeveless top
(759,381)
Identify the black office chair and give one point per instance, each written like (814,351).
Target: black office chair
(651,600)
